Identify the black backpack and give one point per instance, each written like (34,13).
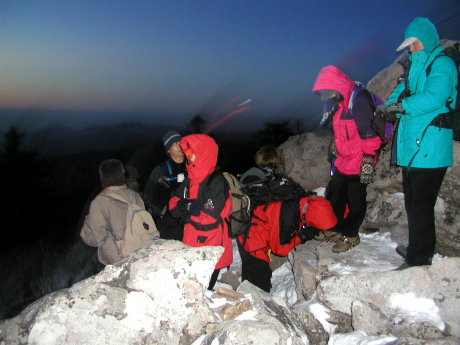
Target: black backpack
(451,119)
(274,188)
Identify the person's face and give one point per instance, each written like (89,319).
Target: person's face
(176,153)
(417,46)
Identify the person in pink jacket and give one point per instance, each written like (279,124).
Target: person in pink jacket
(354,153)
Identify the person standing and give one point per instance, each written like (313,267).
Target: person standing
(203,201)
(355,147)
(422,149)
(163,180)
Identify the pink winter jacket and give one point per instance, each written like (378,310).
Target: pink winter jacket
(350,146)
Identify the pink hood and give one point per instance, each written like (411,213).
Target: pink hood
(350,146)
(330,77)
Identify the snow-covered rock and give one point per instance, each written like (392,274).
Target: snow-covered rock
(155,296)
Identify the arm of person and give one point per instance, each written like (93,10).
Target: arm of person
(152,192)
(436,92)
(362,113)
(94,230)
(177,202)
(396,93)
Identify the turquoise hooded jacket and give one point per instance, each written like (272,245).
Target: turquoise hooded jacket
(429,97)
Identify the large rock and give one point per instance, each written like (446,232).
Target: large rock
(305,159)
(155,296)
(268,322)
(436,285)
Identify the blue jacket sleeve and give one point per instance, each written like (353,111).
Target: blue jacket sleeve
(436,91)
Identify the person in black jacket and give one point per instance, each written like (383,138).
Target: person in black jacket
(163,180)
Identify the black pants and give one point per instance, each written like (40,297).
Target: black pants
(255,270)
(213,280)
(421,188)
(170,228)
(346,190)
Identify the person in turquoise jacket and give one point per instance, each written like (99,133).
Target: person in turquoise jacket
(423,150)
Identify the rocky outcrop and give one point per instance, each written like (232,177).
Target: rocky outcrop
(155,296)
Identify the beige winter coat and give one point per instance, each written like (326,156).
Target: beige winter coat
(106,221)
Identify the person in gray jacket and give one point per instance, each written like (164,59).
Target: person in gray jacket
(106,220)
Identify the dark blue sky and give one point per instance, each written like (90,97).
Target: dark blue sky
(174,59)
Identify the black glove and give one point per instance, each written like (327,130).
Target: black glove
(190,206)
(391,109)
(306,233)
(367,173)
(379,123)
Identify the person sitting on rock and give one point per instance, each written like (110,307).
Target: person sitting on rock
(105,225)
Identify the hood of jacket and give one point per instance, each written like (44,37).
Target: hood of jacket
(317,212)
(206,150)
(330,77)
(425,31)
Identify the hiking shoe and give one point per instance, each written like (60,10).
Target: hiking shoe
(403,266)
(402,250)
(345,243)
(328,236)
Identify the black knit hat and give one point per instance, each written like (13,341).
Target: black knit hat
(170,138)
(112,173)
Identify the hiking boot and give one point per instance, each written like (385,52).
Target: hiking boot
(403,266)
(402,250)
(328,236)
(345,243)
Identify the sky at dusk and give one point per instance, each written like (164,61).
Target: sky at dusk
(168,60)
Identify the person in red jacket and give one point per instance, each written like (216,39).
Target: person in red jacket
(203,201)
(354,154)
(278,228)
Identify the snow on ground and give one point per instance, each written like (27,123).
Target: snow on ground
(359,338)
(417,309)
(369,254)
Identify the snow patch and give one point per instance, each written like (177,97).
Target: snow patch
(416,309)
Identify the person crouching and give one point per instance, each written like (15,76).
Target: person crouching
(278,228)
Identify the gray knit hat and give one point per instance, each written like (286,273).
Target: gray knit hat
(112,173)
(170,138)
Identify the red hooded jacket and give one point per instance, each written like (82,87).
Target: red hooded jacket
(350,146)
(264,233)
(209,227)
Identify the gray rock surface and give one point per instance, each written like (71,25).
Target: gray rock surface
(155,296)
(438,283)
(305,159)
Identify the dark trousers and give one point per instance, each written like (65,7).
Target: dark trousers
(170,228)
(421,188)
(255,270)
(346,190)
(213,280)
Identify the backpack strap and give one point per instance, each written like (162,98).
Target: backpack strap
(208,181)
(354,93)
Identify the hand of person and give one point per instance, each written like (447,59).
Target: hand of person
(379,123)
(367,173)
(391,109)
(190,206)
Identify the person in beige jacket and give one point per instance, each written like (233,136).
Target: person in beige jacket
(106,220)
